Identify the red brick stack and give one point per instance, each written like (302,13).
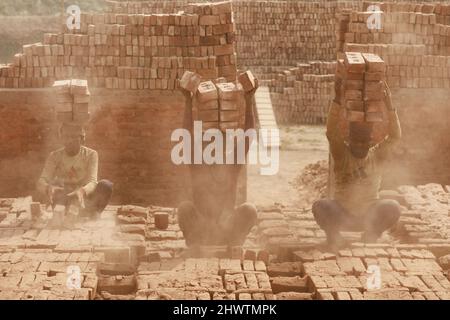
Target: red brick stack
(218,104)
(72,101)
(360,86)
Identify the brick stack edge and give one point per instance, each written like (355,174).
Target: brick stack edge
(125,51)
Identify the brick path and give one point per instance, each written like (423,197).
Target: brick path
(123,256)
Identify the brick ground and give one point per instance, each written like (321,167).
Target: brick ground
(123,256)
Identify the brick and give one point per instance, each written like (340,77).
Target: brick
(388,294)
(356,116)
(294,296)
(209,105)
(247,80)
(284,269)
(206,92)
(62,85)
(78,87)
(227,91)
(374,63)
(190,81)
(325,295)
(354,62)
(374,117)
(82,99)
(117,284)
(342,295)
(289,284)
(80,108)
(325,267)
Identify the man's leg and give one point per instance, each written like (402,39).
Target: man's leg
(191,224)
(332,218)
(241,223)
(99,199)
(381,216)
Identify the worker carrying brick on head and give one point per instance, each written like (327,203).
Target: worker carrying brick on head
(212,218)
(358,169)
(70,175)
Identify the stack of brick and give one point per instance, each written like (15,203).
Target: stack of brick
(413,42)
(218,105)
(203,279)
(42,275)
(265,38)
(206,106)
(124,51)
(231,105)
(407,272)
(360,90)
(302,94)
(72,101)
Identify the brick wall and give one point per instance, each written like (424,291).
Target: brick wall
(131,132)
(121,51)
(302,94)
(132,63)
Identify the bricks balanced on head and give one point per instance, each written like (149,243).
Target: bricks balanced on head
(72,101)
(360,90)
(218,104)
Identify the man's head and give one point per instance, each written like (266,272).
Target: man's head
(72,136)
(360,137)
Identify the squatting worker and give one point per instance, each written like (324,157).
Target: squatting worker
(358,169)
(70,174)
(212,218)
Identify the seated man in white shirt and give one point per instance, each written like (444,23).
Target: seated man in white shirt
(70,175)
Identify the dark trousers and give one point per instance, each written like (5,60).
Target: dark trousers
(199,230)
(332,217)
(96,202)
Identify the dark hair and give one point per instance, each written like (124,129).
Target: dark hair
(73,127)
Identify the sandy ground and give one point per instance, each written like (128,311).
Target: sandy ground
(300,146)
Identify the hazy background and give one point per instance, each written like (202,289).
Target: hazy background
(25,21)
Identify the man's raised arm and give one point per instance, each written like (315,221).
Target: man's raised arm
(334,134)
(394,131)
(187,119)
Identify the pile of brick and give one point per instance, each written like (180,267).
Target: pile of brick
(146,7)
(72,101)
(37,274)
(204,279)
(360,90)
(264,37)
(124,51)
(219,104)
(424,219)
(406,273)
(403,42)
(414,46)
(302,94)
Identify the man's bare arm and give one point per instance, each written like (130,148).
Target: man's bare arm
(394,130)
(334,134)
(250,119)
(187,119)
